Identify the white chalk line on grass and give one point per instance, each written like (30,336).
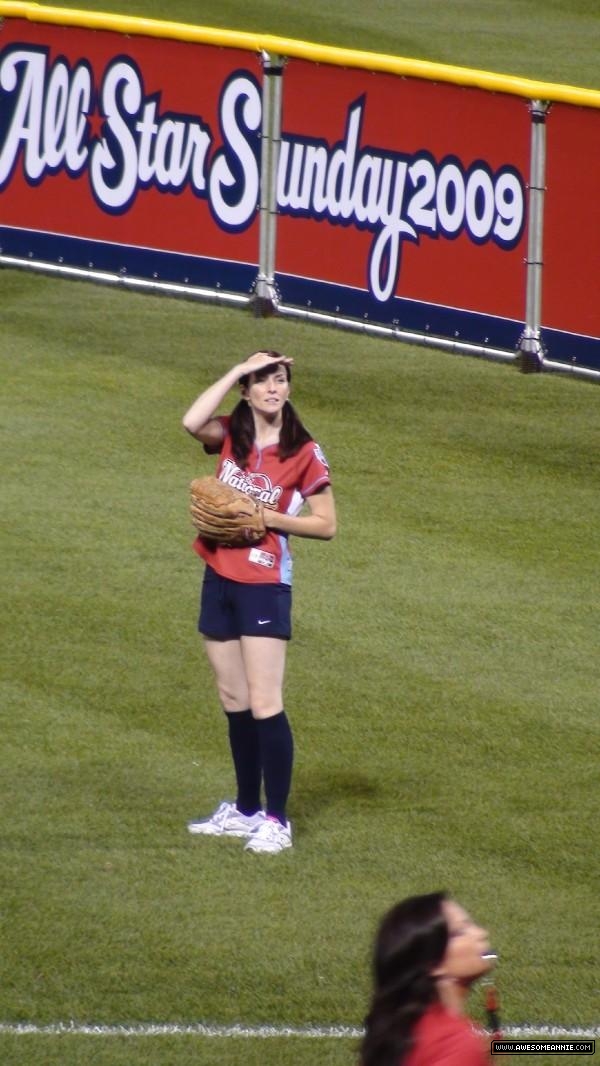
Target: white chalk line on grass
(320,1032)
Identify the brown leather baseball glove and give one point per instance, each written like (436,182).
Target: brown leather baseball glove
(225,515)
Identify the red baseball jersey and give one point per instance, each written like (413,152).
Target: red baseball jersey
(281,484)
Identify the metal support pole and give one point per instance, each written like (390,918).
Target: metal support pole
(531,350)
(265,299)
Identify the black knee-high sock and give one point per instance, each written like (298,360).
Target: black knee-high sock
(243,740)
(277,758)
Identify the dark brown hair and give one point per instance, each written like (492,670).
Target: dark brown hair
(410,942)
(241,426)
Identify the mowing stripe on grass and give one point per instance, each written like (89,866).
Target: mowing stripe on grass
(320,1032)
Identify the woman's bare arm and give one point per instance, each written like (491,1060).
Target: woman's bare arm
(319,524)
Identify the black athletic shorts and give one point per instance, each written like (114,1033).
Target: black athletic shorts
(233,609)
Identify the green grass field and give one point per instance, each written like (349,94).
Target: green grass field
(442,679)
(549,40)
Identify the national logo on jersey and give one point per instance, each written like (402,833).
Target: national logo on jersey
(257,485)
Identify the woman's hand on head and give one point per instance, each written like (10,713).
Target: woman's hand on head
(203,410)
(261,359)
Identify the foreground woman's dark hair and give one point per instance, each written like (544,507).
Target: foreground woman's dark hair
(410,943)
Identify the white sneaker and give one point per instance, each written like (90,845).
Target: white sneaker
(270,837)
(227,821)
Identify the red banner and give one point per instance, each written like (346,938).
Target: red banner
(424,188)
(130,141)
(572,221)
(401,202)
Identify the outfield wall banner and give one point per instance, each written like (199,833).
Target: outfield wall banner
(125,155)
(571,303)
(436,204)
(414,195)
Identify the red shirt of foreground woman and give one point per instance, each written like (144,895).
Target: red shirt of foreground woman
(428,953)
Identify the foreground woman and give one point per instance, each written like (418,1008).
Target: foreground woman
(428,952)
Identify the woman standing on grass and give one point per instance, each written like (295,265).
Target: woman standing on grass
(245,612)
(428,952)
